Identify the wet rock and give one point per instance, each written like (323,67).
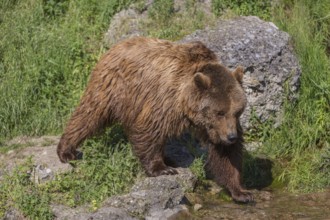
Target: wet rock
(269,205)
(267,56)
(179,212)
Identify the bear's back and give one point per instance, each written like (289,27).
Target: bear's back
(142,76)
(152,58)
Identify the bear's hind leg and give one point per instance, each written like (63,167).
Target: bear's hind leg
(150,151)
(225,165)
(81,125)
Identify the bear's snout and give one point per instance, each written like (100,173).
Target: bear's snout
(232,137)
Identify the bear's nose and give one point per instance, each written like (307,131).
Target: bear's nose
(232,137)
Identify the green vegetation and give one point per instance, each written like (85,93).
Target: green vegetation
(303,139)
(197,168)
(260,8)
(166,22)
(18,192)
(105,171)
(48,48)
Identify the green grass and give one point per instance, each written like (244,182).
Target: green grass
(108,168)
(260,8)
(47,50)
(303,139)
(18,192)
(165,22)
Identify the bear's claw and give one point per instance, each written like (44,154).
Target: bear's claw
(164,171)
(66,156)
(243,197)
(169,171)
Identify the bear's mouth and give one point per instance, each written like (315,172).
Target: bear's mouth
(227,142)
(220,141)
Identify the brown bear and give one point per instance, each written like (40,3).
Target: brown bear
(157,90)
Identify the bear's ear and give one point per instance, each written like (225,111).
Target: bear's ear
(238,74)
(202,81)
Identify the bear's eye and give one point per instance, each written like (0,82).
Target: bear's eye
(221,113)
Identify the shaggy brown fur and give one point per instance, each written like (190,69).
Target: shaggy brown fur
(157,90)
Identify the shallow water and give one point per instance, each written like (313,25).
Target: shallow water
(268,205)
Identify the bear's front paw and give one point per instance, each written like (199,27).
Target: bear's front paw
(168,171)
(66,156)
(243,197)
(165,170)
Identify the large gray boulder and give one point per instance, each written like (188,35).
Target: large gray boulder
(267,56)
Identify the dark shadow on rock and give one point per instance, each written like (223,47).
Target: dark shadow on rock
(257,171)
(181,152)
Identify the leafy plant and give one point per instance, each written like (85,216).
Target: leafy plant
(108,168)
(17,191)
(198,168)
(47,51)
(167,22)
(259,8)
(304,135)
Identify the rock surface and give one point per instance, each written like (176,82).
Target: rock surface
(42,150)
(152,198)
(265,53)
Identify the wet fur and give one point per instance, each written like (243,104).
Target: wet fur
(157,90)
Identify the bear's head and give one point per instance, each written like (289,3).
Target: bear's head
(218,102)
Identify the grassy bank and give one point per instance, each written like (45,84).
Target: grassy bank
(302,143)
(47,50)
